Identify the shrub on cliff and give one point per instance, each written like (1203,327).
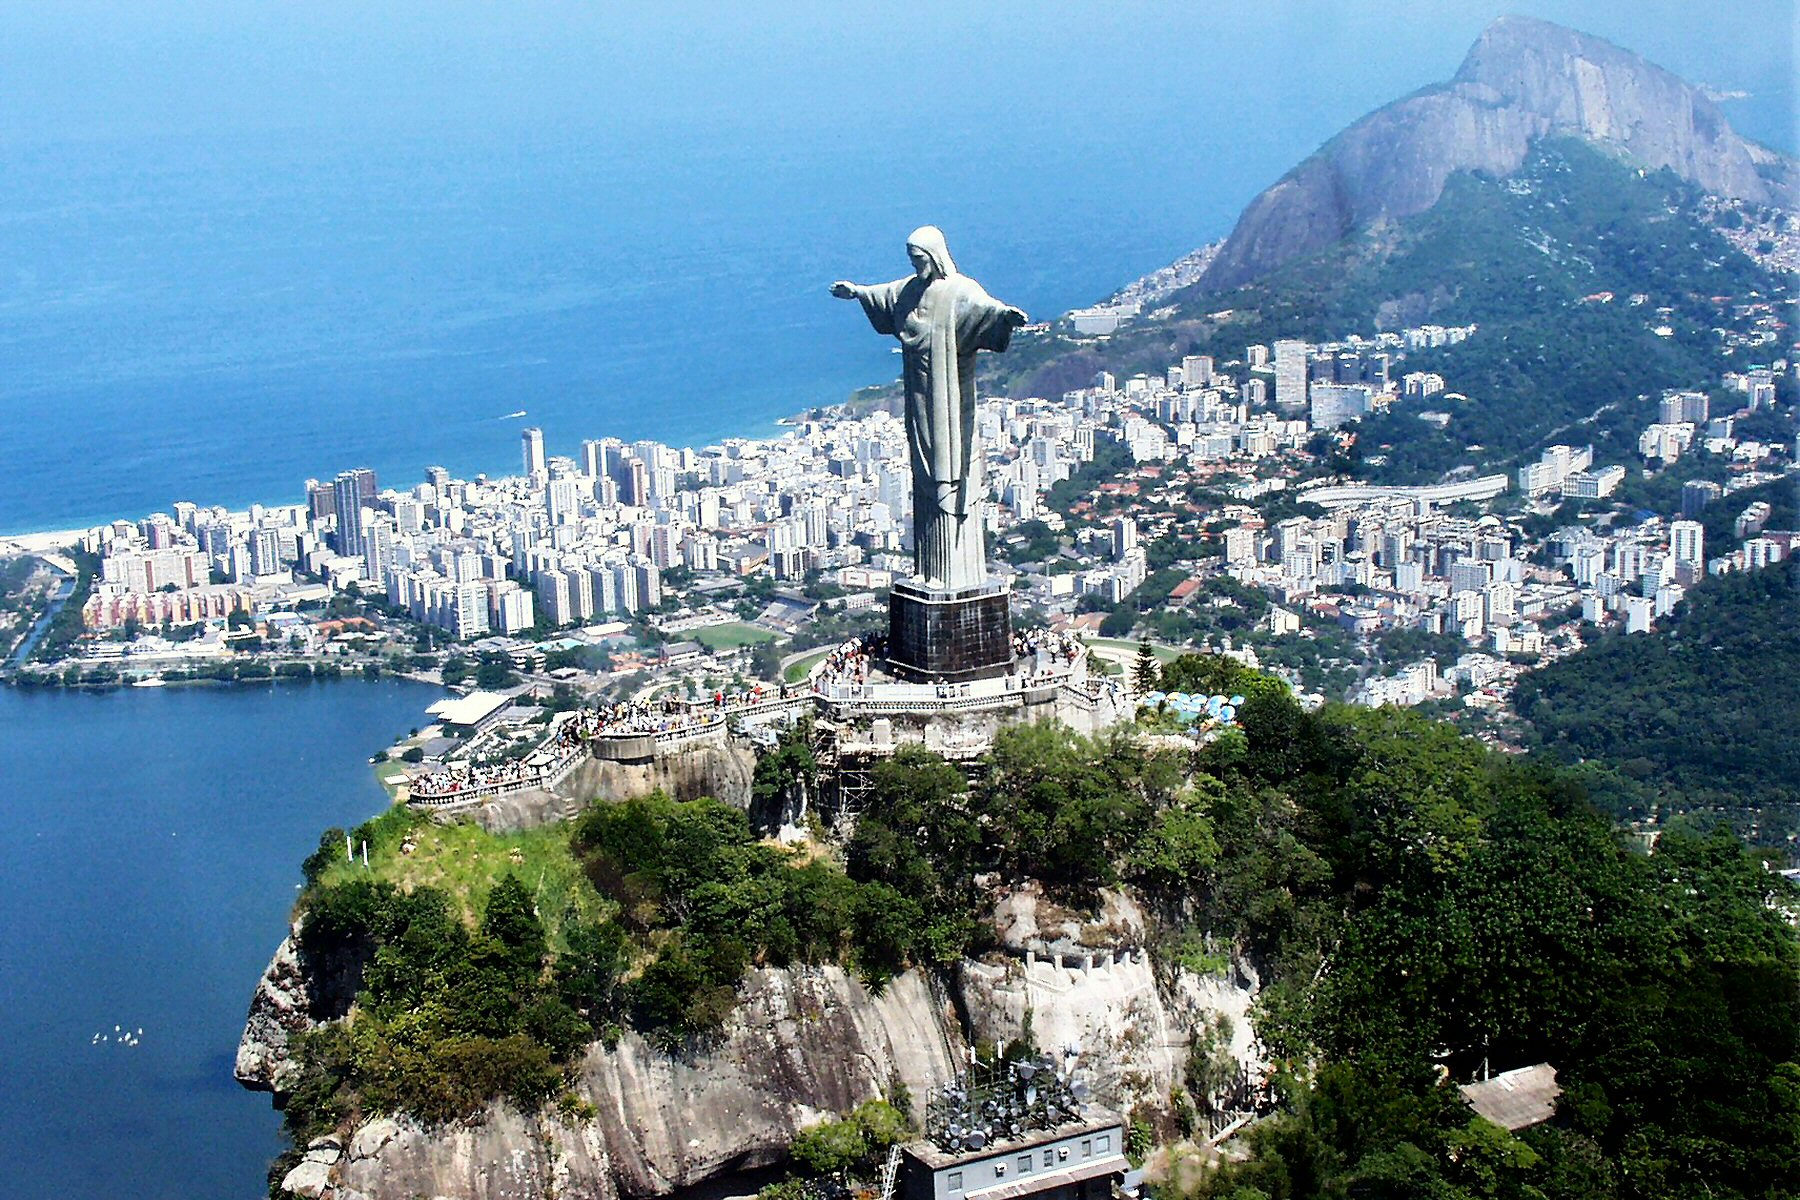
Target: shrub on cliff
(447,1018)
(704,900)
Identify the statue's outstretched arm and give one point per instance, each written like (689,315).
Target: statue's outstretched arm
(878,301)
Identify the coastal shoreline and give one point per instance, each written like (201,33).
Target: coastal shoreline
(43,542)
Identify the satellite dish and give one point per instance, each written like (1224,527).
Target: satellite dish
(977,1140)
(1079,1091)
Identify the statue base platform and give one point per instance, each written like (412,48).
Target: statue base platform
(938,635)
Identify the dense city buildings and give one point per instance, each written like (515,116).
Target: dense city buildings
(1196,482)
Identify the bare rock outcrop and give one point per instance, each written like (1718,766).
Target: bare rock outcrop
(802,1043)
(1086,981)
(723,772)
(279,1009)
(1523,79)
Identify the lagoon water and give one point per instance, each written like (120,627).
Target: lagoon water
(153,842)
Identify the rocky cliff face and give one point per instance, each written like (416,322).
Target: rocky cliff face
(1086,981)
(802,1044)
(1523,79)
(722,772)
(279,1009)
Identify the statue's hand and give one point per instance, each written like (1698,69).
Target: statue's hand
(843,289)
(1016,316)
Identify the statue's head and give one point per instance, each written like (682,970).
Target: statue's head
(930,256)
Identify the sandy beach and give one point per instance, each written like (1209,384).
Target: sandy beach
(39,543)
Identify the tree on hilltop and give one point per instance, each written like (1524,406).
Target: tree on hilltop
(1145,674)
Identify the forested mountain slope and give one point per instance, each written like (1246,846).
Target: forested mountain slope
(1700,713)
(1519,257)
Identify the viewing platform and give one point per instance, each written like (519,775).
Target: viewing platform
(850,687)
(855,681)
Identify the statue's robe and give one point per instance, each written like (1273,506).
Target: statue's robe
(941,324)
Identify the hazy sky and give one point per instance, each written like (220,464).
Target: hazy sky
(1300,68)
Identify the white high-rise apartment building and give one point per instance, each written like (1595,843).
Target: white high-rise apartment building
(1197,371)
(1290,376)
(1687,541)
(533,445)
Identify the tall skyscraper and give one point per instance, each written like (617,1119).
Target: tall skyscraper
(378,547)
(1290,376)
(1124,537)
(533,441)
(320,499)
(349,493)
(265,551)
(561,500)
(634,482)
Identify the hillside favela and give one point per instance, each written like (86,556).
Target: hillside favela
(1079,603)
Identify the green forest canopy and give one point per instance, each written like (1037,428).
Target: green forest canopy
(1411,900)
(1698,714)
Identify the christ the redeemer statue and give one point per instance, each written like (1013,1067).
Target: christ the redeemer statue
(941,318)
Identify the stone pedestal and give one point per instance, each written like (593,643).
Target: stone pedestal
(951,636)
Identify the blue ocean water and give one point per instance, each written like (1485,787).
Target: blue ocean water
(239,250)
(154,839)
(187,321)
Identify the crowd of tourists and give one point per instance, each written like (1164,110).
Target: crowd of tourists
(1036,653)
(1051,650)
(455,779)
(850,664)
(636,717)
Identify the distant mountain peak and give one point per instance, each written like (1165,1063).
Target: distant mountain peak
(1523,79)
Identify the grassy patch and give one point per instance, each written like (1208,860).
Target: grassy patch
(1191,951)
(390,775)
(797,669)
(730,636)
(1164,654)
(466,861)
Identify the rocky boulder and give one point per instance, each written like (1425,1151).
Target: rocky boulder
(1522,80)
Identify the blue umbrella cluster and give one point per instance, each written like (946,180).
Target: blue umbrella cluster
(1209,710)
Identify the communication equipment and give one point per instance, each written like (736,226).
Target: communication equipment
(997,1102)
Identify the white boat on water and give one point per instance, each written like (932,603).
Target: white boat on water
(153,681)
